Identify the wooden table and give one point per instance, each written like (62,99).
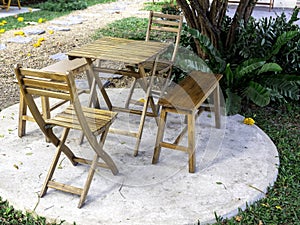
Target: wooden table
(127,51)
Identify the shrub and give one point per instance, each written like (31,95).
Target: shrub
(256,39)
(63,5)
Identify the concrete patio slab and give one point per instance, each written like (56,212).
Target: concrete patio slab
(235,165)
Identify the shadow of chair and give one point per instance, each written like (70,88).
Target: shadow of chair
(92,122)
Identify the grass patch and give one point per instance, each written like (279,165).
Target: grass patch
(34,16)
(157,6)
(13,23)
(132,28)
(9,216)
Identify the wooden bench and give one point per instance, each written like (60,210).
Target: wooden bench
(59,67)
(187,98)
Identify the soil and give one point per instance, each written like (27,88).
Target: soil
(95,17)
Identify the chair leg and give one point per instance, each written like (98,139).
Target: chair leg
(55,161)
(191,143)
(130,94)
(8,5)
(93,168)
(217,107)
(22,112)
(19,4)
(88,181)
(159,136)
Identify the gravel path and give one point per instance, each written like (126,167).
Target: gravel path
(95,17)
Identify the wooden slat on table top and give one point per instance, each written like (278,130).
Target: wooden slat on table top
(119,49)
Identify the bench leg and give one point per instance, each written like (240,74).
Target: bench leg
(160,135)
(191,143)
(217,106)
(22,112)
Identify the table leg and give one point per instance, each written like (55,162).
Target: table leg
(97,81)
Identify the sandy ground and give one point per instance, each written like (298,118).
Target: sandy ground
(94,17)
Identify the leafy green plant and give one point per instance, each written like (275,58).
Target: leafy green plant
(157,6)
(63,5)
(257,37)
(240,84)
(8,216)
(252,79)
(172,9)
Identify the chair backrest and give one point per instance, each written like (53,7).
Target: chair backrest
(165,23)
(34,83)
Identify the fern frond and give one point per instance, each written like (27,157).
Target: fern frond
(270,67)
(257,94)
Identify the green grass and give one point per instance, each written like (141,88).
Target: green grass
(10,216)
(34,16)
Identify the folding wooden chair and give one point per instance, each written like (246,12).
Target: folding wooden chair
(162,23)
(59,67)
(93,122)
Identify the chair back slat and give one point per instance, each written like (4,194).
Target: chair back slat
(47,93)
(46,84)
(166,23)
(43,74)
(165,29)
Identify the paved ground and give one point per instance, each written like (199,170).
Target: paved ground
(235,165)
(13,10)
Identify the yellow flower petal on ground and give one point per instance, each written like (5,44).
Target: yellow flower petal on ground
(20,19)
(249,121)
(4,22)
(2,31)
(41,20)
(38,44)
(41,39)
(141,100)
(278,207)
(51,31)
(20,32)
(28,54)
(1,24)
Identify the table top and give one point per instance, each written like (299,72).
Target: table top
(120,49)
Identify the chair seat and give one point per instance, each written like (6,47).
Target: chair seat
(97,119)
(161,66)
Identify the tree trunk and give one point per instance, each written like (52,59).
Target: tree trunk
(207,19)
(242,13)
